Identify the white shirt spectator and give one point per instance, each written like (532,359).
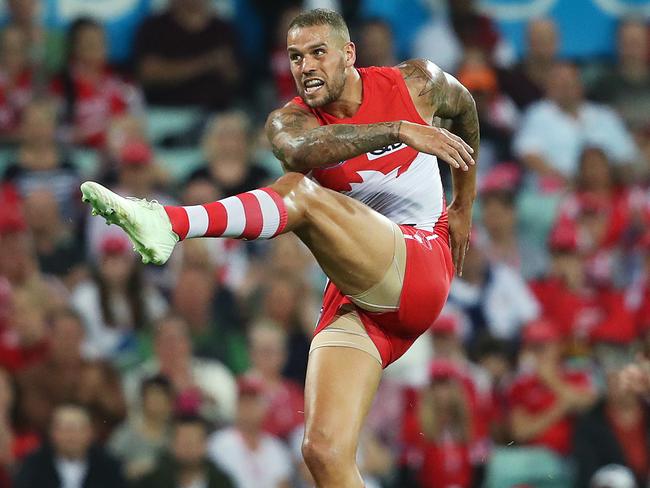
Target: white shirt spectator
(507,302)
(559,138)
(71,473)
(102,340)
(265,467)
(215,381)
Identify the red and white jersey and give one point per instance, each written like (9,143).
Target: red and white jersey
(396,181)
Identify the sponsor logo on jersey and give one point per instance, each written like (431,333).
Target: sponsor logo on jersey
(385,151)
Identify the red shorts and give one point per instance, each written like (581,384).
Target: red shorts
(427,277)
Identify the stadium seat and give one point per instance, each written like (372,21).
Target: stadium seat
(164,123)
(530,466)
(179,163)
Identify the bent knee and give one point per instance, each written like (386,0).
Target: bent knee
(325,452)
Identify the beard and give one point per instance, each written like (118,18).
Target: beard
(334,90)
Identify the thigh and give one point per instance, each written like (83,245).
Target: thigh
(353,244)
(340,387)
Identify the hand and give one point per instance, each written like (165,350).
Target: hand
(439,142)
(460,225)
(636,377)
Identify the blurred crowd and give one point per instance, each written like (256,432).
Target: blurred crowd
(116,375)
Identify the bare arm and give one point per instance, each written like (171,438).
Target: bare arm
(301,144)
(438,94)
(527,427)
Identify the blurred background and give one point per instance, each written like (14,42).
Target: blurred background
(113,374)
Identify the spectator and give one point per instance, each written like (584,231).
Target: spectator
(40,161)
(71,461)
(598,182)
(115,303)
(226,144)
(547,396)
(626,85)
(187,464)
(211,313)
(502,242)
(460,27)
(493,296)
(45,45)
(23,334)
(60,252)
(494,357)
(376,46)
(284,301)
(438,427)
(201,386)
(582,311)
(66,376)
(525,82)
(91,94)
(140,440)
(498,115)
(556,129)
(285,86)
(250,456)
(19,263)
(616,430)
(188,56)
(284,398)
(16,81)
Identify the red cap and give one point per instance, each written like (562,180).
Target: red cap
(136,153)
(501,178)
(250,386)
(564,237)
(448,324)
(540,331)
(443,369)
(114,245)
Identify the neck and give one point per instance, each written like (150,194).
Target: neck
(251,437)
(350,100)
(154,425)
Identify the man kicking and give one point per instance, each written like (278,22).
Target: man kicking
(363,192)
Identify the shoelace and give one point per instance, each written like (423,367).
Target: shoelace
(149,204)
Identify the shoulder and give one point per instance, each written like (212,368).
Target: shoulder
(294,116)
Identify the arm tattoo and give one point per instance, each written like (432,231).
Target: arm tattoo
(449,99)
(301,144)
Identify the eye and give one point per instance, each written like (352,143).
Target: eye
(319,51)
(295,57)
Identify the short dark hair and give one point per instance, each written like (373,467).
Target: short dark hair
(157,381)
(321,16)
(188,419)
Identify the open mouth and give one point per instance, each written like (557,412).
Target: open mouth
(313,85)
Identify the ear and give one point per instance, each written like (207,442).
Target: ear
(350,51)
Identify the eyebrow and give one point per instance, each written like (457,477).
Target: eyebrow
(310,47)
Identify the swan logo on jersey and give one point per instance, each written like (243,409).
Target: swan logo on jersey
(384,151)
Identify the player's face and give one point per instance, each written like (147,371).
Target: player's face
(319,59)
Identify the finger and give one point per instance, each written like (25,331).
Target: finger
(455,253)
(465,154)
(457,138)
(448,158)
(461,260)
(456,155)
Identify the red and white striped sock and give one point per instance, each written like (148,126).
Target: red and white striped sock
(257,214)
